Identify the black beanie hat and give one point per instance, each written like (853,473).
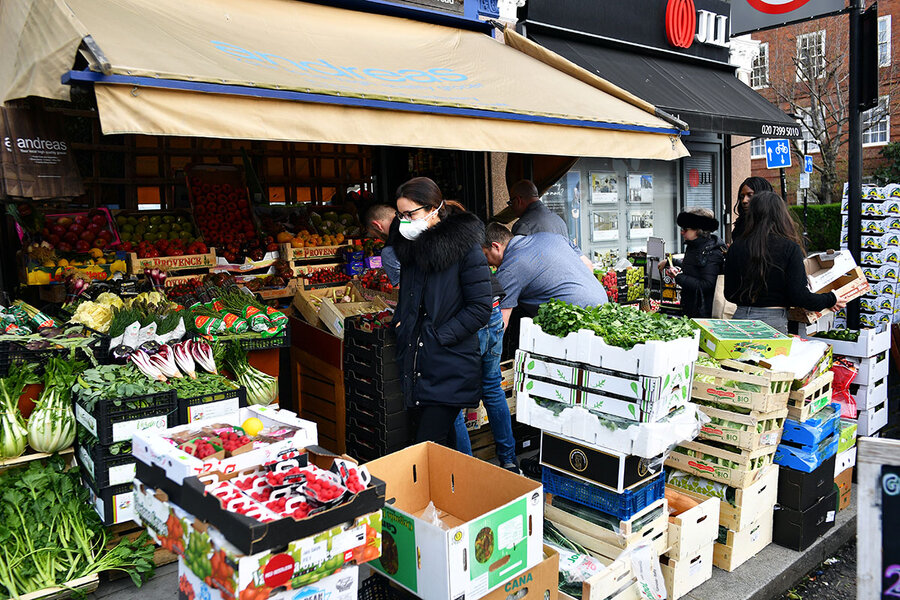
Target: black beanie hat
(689,220)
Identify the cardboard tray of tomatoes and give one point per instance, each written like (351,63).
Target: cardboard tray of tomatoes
(221,203)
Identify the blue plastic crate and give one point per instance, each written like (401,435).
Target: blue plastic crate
(806,460)
(623,506)
(811,432)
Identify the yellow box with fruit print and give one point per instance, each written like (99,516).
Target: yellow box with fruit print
(46,267)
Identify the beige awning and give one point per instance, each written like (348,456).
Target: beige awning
(286,70)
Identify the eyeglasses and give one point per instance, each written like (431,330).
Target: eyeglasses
(511,200)
(408,214)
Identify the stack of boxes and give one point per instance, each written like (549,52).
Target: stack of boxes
(377,422)
(608,416)
(880,255)
(732,459)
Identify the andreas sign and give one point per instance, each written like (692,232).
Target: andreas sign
(684,24)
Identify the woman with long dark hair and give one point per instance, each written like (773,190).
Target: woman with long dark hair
(750,186)
(445,298)
(764,272)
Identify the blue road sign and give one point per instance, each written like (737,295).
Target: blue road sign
(807,164)
(778,154)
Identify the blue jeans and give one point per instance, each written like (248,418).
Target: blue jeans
(490,338)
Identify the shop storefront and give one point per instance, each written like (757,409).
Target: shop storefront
(678,60)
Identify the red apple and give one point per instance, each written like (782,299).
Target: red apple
(71,237)
(82,220)
(76,228)
(87,236)
(58,230)
(99,243)
(82,246)
(45,232)
(99,220)
(64,221)
(65,246)
(106,235)
(54,239)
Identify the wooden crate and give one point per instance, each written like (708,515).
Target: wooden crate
(684,574)
(80,586)
(304,269)
(310,252)
(693,530)
(333,314)
(132,531)
(720,430)
(288,291)
(741,546)
(725,387)
(627,535)
(811,398)
(617,582)
(68,455)
(170,264)
(750,503)
(739,477)
(482,440)
(309,302)
(605,544)
(319,397)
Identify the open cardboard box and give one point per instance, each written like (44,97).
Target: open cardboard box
(823,268)
(831,272)
(494,523)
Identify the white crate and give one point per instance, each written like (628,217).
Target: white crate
(869,396)
(871,369)
(646,440)
(694,529)
(872,420)
(682,576)
(653,359)
(845,460)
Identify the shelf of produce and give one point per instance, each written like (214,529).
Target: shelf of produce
(77,587)
(171,264)
(7,463)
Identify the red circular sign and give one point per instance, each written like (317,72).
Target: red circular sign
(279,570)
(681,23)
(776,7)
(693,178)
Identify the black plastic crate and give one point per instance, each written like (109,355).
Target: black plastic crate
(364,449)
(104,468)
(528,438)
(211,406)
(377,587)
(372,386)
(385,420)
(15,353)
(382,336)
(282,340)
(365,430)
(114,504)
(367,362)
(110,423)
(392,403)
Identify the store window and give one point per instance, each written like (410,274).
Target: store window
(758,148)
(884,41)
(811,55)
(876,123)
(808,126)
(759,73)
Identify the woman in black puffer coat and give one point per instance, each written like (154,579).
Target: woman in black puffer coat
(704,258)
(445,298)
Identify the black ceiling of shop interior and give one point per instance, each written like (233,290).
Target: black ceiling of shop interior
(708,99)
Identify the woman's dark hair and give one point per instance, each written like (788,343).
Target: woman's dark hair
(767,217)
(425,192)
(757,184)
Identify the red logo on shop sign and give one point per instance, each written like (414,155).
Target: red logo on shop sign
(693,178)
(776,7)
(278,571)
(681,23)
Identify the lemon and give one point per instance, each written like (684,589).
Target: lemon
(252,426)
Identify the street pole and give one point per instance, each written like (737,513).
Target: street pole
(805,198)
(854,154)
(783,186)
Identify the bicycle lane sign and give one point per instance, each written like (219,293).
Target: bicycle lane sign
(778,154)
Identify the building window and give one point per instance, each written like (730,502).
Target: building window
(811,55)
(759,73)
(758,148)
(876,123)
(809,123)
(884,41)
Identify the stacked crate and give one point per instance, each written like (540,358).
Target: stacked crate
(376,420)
(607,417)
(731,461)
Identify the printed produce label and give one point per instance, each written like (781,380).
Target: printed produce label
(86,461)
(212,410)
(398,549)
(124,431)
(121,474)
(86,419)
(497,542)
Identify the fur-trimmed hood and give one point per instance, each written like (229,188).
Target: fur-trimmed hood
(443,245)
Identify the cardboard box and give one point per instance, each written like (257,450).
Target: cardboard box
(798,530)
(749,504)
(872,420)
(845,460)
(495,531)
(684,574)
(798,490)
(641,439)
(844,484)
(612,470)
(693,530)
(538,583)
(743,431)
(652,359)
(628,396)
(871,369)
(848,428)
(722,338)
(742,385)
(824,268)
(849,286)
(340,586)
(826,323)
(869,395)
(705,460)
(737,547)
(300,562)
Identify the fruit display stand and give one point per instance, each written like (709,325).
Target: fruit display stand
(98,267)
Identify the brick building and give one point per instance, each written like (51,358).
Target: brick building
(800,68)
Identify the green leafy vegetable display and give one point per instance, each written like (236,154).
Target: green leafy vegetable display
(618,325)
(117,383)
(844,335)
(50,534)
(205,383)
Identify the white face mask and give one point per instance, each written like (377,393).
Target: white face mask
(413,229)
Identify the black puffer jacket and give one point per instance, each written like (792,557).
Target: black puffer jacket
(703,261)
(445,298)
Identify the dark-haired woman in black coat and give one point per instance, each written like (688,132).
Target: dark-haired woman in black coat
(704,257)
(445,298)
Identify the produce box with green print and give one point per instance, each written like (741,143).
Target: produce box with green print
(208,555)
(490,535)
(848,435)
(722,338)
(743,428)
(721,463)
(740,385)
